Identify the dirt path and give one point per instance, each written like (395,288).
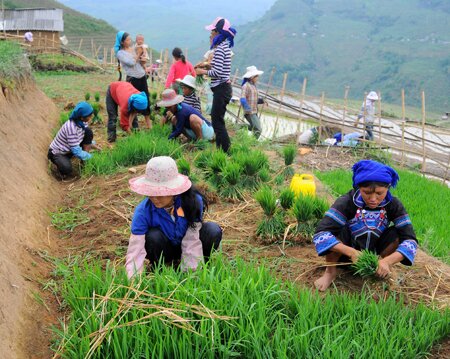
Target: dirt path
(26,191)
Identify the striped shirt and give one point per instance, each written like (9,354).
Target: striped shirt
(131,67)
(194,101)
(250,93)
(68,136)
(221,64)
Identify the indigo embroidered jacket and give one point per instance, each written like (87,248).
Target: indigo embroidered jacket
(365,225)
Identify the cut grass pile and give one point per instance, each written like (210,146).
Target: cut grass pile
(231,309)
(134,150)
(426,201)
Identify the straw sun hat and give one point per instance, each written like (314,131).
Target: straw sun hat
(169,98)
(161,179)
(252,71)
(188,81)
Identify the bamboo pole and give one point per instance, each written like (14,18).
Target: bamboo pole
(402,162)
(322,100)
(344,113)
(235,77)
(267,89)
(379,118)
(424,163)
(302,100)
(446,171)
(105,54)
(403,105)
(92,48)
(275,128)
(112,56)
(53,40)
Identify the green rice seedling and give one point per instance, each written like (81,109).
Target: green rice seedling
(87,96)
(303,208)
(232,173)
(366,264)
(321,205)
(184,167)
(67,219)
(217,161)
(287,198)
(230,308)
(271,228)
(267,200)
(289,153)
(97,97)
(229,185)
(264,175)
(97,118)
(202,159)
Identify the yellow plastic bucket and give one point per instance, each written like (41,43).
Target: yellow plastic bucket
(303,183)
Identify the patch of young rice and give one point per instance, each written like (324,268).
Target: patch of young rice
(133,150)
(231,309)
(426,201)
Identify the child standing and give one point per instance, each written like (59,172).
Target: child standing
(249,99)
(360,220)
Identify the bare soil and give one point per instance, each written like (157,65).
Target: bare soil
(26,191)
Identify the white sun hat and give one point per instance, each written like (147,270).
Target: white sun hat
(252,71)
(372,96)
(189,81)
(161,179)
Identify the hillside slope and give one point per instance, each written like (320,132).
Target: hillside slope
(384,45)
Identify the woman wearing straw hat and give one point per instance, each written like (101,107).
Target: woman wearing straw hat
(74,138)
(188,86)
(249,99)
(367,113)
(184,118)
(223,40)
(168,223)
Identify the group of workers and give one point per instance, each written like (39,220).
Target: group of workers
(168,224)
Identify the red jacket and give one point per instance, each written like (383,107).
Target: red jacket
(120,93)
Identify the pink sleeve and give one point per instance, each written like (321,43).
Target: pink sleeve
(191,248)
(170,76)
(135,254)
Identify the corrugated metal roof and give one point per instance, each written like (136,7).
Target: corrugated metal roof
(32,19)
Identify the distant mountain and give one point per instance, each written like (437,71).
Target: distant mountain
(382,45)
(75,22)
(170,23)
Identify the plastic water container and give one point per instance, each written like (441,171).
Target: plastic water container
(303,183)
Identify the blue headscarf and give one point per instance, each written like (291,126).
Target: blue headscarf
(82,109)
(119,39)
(368,171)
(138,102)
(224,35)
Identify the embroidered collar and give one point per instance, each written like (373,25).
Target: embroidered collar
(359,202)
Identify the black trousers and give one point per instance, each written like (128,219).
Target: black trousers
(63,161)
(111,109)
(221,98)
(157,245)
(141,85)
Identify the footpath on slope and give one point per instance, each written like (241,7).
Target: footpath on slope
(26,192)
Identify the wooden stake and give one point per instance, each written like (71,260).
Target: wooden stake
(424,163)
(53,40)
(275,128)
(379,119)
(105,54)
(322,101)
(302,100)
(92,47)
(233,82)
(402,162)
(112,56)
(403,105)
(446,170)
(267,89)
(347,88)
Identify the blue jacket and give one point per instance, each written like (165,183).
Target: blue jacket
(184,111)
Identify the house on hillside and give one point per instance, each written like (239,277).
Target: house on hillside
(45,24)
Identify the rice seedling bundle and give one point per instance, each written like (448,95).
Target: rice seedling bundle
(184,167)
(231,309)
(264,175)
(87,96)
(289,153)
(217,161)
(232,173)
(97,96)
(321,205)
(303,208)
(287,198)
(366,264)
(267,200)
(202,159)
